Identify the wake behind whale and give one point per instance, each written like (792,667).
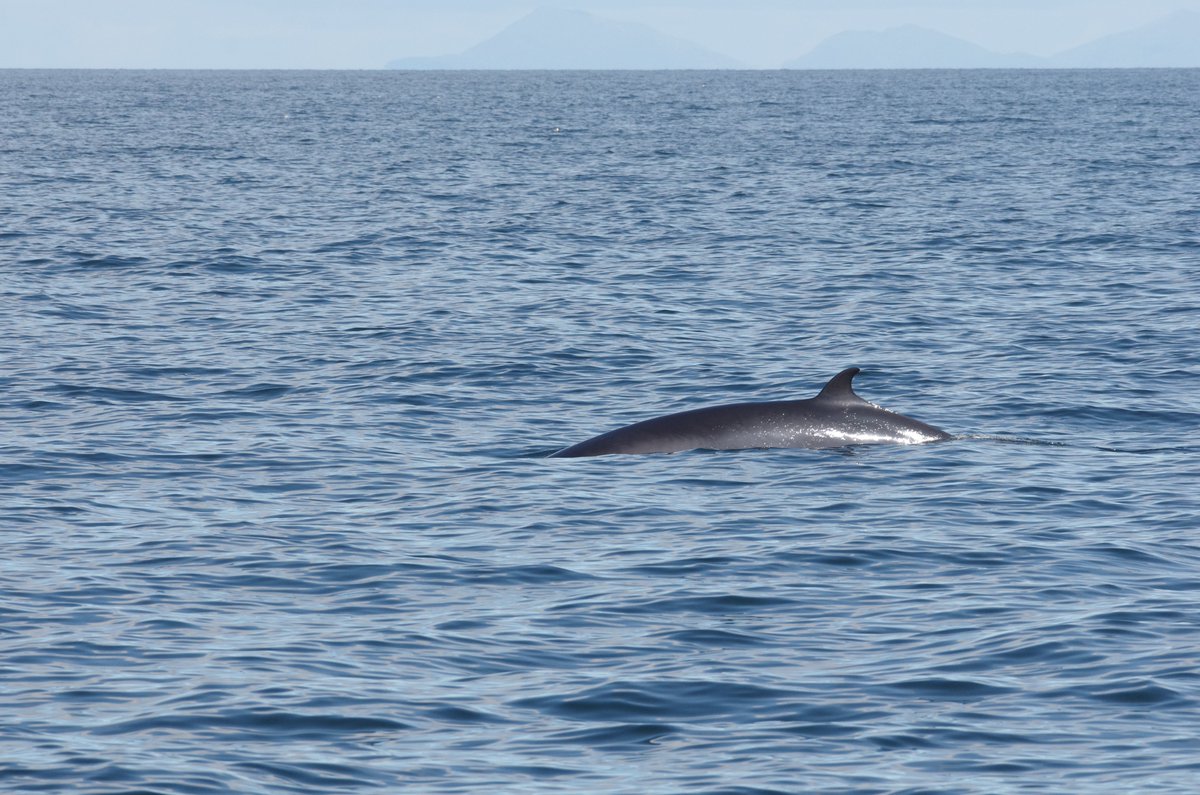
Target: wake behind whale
(836,417)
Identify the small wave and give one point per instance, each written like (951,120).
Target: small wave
(632,734)
(949,689)
(720,604)
(682,566)
(633,701)
(1132,694)
(275,723)
(323,775)
(232,263)
(459,714)
(265,391)
(1010,440)
(103,394)
(109,261)
(521,575)
(715,638)
(167,372)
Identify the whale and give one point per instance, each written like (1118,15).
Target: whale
(836,417)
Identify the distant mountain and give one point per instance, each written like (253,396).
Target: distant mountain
(907,47)
(1170,42)
(1173,41)
(550,38)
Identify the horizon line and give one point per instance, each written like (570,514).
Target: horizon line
(1015,68)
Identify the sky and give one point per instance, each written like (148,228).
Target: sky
(366,34)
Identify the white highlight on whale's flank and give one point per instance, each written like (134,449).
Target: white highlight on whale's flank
(896,436)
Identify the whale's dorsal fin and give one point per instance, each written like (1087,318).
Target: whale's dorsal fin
(838,390)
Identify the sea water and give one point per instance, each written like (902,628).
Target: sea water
(282,355)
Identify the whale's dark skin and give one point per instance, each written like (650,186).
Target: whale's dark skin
(835,418)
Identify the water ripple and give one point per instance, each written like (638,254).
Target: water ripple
(284,354)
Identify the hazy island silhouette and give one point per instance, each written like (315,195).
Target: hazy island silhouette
(550,38)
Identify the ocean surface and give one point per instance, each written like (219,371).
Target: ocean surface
(282,355)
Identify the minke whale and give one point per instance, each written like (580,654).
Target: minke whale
(834,418)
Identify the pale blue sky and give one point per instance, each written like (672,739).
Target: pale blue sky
(366,34)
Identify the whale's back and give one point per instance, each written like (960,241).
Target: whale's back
(836,417)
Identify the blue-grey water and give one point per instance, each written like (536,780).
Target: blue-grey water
(282,355)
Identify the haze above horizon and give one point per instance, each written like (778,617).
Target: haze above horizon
(367,34)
